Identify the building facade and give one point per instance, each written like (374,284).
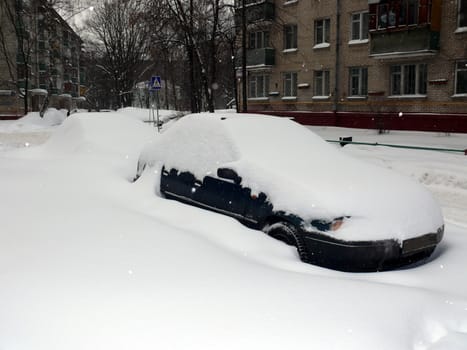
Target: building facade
(39,59)
(387,64)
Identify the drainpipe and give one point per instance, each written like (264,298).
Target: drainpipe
(244,72)
(337,60)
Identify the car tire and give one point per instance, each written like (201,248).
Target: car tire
(287,233)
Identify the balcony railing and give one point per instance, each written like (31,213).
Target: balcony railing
(258,57)
(256,12)
(418,40)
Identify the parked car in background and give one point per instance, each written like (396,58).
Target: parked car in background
(277,176)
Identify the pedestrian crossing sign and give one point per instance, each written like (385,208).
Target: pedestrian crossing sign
(155,83)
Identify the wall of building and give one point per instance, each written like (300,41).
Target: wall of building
(53,62)
(343,53)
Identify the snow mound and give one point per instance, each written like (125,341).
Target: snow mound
(52,117)
(32,121)
(109,133)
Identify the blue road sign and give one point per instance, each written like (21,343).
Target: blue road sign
(155,83)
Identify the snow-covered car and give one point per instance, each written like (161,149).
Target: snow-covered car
(277,176)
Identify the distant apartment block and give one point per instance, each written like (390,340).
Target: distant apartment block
(363,63)
(39,59)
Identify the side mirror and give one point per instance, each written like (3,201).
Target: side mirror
(230,174)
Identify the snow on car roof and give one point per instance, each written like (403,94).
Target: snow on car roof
(300,173)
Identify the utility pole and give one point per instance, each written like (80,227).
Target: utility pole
(337,61)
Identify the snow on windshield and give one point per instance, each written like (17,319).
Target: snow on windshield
(199,144)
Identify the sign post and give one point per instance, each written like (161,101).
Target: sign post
(154,86)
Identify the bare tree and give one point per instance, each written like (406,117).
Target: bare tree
(119,25)
(200,26)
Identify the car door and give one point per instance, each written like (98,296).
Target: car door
(226,195)
(222,196)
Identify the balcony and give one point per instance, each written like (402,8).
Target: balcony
(256,12)
(260,57)
(416,41)
(401,28)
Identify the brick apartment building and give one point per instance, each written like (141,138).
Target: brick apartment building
(387,64)
(39,57)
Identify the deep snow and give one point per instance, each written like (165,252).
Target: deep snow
(89,259)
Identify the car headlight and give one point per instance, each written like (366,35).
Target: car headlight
(336,224)
(325,225)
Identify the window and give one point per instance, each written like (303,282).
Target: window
(397,13)
(358,81)
(290,37)
(322,30)
(461,77)
(408,79)
(462,16)
(259,40)
(322,83)
(359,26)
(259,85)
(290,84)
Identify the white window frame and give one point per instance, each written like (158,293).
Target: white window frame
(325,37)
(291,78)
(403,74)
(458,70)
(322,84)
(255,82)
(361,76)
(362,35)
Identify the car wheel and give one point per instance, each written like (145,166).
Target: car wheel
(287,233)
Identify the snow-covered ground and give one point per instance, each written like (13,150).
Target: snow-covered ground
(90,260)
